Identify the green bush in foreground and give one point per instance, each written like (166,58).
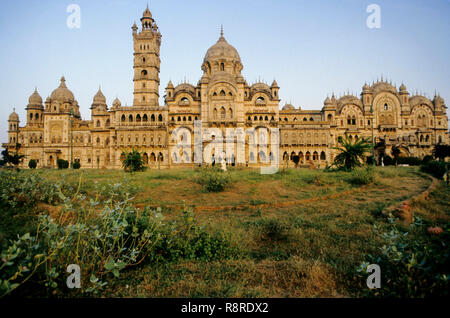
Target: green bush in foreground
(411,265)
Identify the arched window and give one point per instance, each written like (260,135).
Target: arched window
(153,118)
(37,116)
(108,122)
(386,107)
(138,118)
(145,118)
(323,156)
(160,118)
(123,118)
(330,117)
(31,116)
(144,73)
(215,113)
(98,123)
(315,156)
(353,120)
(184,118)
(179,118)
(230,111)
(223,114)
(304,119)
(130,118)
(222,93)
(222,67)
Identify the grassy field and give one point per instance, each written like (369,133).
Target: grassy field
(299,233)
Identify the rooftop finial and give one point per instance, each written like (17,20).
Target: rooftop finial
(221,30)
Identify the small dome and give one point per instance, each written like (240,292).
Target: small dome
(402,88)
(170,85)
(327,101)
(14,116)
(99,98)
(35,98)
(275,84)
(366,87)
(62,93)
(117,103)
(222,50)
(288,107)
(147,13)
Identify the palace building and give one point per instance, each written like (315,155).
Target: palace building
(221,99)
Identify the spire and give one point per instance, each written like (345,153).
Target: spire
(63,82)
(221,30)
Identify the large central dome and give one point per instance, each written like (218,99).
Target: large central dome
(222,50)
(62,93)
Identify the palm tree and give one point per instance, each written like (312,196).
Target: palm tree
(351,154)
(132,161)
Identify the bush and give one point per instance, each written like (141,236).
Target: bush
(133,161)
(102,242)
(184,239)
(32,164)
(388,161)
(362,176)
(273,229)
(427,159)
(62,164)
(413,266)
(76,165)
(412,161)
(435,168)
(214,179)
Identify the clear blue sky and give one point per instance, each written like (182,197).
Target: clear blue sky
(311,48)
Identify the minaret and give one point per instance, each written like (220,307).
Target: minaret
(147,62)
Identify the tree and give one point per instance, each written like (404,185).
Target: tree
(132,161)
(441,151)
(351,154)
(395,151)
(13,159)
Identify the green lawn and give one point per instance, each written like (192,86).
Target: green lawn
(299,233)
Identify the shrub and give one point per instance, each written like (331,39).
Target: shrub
(413,266)
(427,159)
(412,161)
(32,164)
(214,179)
(388,161)
(62,164)
(76,165)
(351,154)
(362,176)
(435,168)
(133,161)
(184,239)
(273,229)
(102,243)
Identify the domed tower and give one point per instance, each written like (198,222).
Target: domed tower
(147,61)
(222,58)
(99,110)
(13,131)
(367,97)
(62,101)
(34,109)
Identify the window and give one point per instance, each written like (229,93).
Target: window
(222,67)
(98,123)
(386,107)
(144,73)
(160,118)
